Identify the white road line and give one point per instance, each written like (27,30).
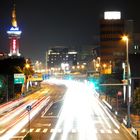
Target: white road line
(116,131)
(52,130)
(102,131)
(109,131)
(111,118)
(73,131)
(31,130)
(38,130)
(45,130)
(18,137)
(41,124)
(23,131)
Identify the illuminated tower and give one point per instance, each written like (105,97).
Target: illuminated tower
(14,35)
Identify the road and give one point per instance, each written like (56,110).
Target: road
(76,115)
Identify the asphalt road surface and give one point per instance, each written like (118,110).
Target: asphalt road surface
(74,114)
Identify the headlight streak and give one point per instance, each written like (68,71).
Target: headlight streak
(81,105)
(77,108)
(14,113)
(10,105)
(23,120)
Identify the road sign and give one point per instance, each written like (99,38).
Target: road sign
(19,78)
(28,108)
(119,93)
(37,77)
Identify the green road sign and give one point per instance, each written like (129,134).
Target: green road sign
(19,78)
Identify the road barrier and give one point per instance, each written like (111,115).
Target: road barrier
(107,104)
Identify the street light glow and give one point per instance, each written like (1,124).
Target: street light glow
(27,66)
(125,38)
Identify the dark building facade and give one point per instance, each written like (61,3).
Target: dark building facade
(112,48)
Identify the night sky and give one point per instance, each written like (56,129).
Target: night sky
(46,23)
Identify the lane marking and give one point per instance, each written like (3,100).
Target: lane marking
(109,131)
(31,130)
(52,130)
(41,124)
(23,131)
(107,113)
(116,131)
(102,131)
(73,130)
(38,130)
(45,130)
(18,137)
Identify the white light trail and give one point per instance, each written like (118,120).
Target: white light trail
(14,113)
(10,105)
(22,121)
(80,106)
(76,108)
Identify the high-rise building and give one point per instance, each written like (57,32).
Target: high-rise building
(136,44)
(59,55)
(112,48)
(14,35)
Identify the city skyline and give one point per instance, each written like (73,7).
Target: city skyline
(64,23)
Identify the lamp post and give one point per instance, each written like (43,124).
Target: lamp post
(125,38)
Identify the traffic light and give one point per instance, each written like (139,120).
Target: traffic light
(94,82)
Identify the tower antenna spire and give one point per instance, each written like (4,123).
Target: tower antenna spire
(14,20)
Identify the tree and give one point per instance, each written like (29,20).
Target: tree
(110,91)
(27,71)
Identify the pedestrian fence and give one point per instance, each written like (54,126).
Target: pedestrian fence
(135,132)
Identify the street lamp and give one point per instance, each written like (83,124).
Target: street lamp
(125,38)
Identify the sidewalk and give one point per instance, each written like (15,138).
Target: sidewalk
(134,131)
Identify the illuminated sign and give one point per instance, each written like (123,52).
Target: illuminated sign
(19,78)
(14,30)
(37,77)
(109,15)
(14,46)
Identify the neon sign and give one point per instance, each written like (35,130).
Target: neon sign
(110,15)
(14,30)
(14,46)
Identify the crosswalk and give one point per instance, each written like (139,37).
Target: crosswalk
(73,130)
